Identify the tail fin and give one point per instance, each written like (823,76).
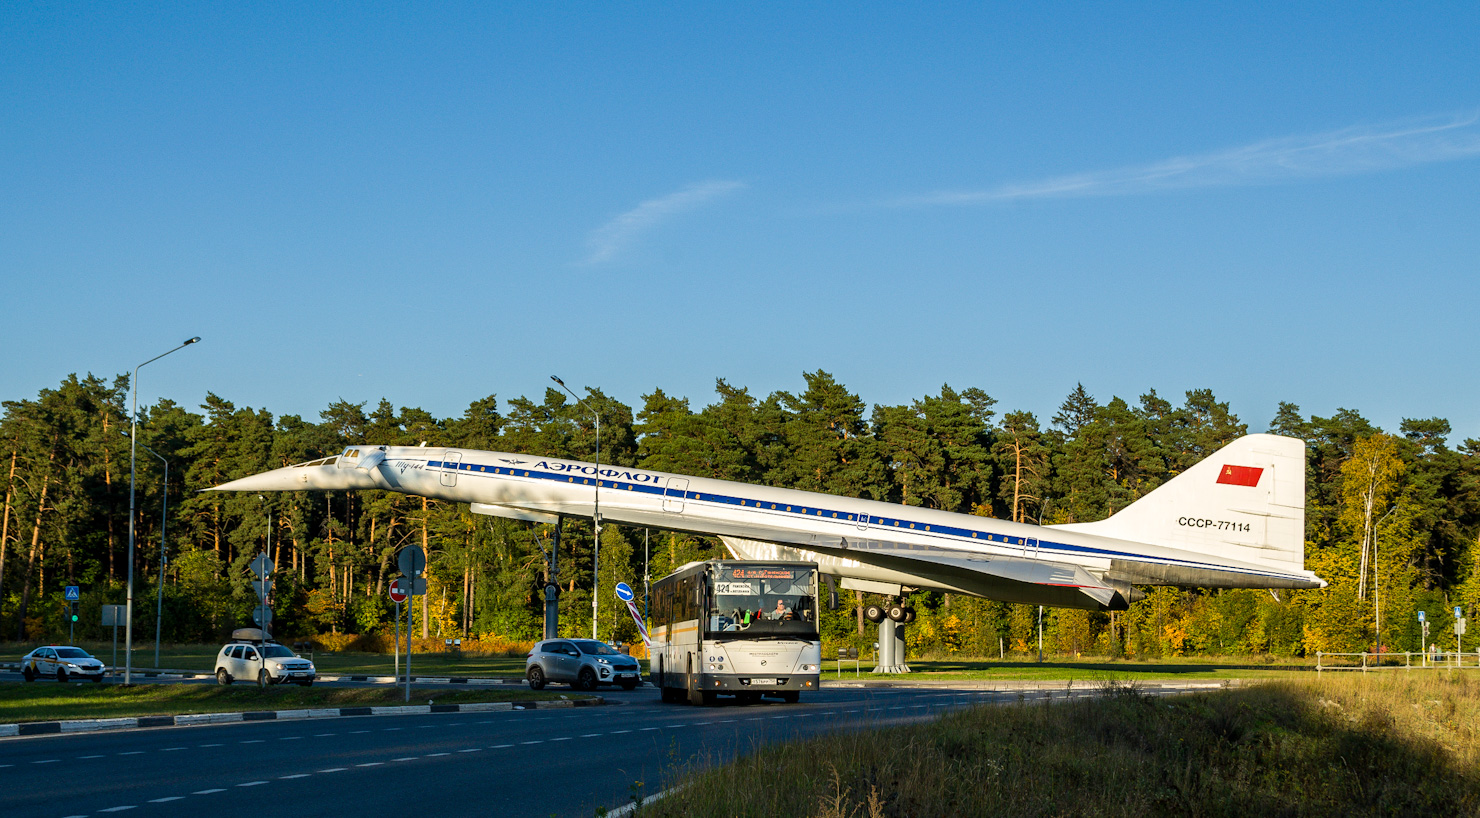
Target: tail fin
(1245,502)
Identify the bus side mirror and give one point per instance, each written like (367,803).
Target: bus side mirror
(832,599)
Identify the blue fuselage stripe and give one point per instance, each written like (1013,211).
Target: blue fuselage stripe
(830,515)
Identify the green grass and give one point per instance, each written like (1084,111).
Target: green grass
(1380,744)
(1081,670)
(43,701)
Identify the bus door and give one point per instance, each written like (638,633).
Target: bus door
(451,460)
(673,494)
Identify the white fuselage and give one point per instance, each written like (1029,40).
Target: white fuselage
(770,522)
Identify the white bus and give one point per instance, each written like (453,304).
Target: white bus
(735,628)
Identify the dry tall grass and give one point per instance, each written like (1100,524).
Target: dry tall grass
(1380,744)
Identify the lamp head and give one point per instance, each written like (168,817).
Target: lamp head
(557,380)
(191,341)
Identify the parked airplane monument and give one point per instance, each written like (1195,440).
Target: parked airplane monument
(1234,520)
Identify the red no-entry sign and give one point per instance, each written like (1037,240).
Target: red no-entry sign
(398,593)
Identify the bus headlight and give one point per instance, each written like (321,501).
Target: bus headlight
(807,669)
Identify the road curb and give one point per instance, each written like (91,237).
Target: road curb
(43,728)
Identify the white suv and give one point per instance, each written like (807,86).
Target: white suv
(267,662)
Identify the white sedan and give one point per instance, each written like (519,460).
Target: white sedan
(62,661)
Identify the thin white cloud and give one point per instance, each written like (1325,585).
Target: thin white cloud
(1340,153)
(610,239)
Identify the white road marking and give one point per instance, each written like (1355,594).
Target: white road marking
(212,745)
(118,809)
(371,764)
(726,721)
(645,729)
(322,735)
(562,738)
(536,741)
(435,755)
(405,758)
(290,738)
(78,757)
(251,783)
(357,732)
(503,746)
(166,799)
(470,750)
(672,726)
(331,770)
(619,732)
(47,761)
(173,749)
(389,729)
(590,735)
(430,726)
(290,777)
(133,753)
(253,741)
(207,792)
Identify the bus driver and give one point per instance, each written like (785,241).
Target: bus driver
(781,612)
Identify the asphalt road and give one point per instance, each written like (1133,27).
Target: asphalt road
(532,762)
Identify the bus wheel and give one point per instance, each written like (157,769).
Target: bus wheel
(791,696)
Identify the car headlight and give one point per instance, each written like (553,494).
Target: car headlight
(72,666)
(604,661)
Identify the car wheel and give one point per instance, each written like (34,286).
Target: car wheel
(263,678)
(873,613)
(28,674)
(629,685)
(61,675)
(586,679)
(222,677)
(536,678)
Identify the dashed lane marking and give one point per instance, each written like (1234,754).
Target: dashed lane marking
(133,753)
(253,741)
(536,741)
(78,757)
(47,761)
(208,792)
(173,749)
(562,738)
(213,745)
(291,777)
(251,783)
(436,755)
(645,729)
(334,770)
(322,735)
(166,799)
(371,764)
(589,735)
(504,746)
(119,809)
(619,732)
(405,758)
(290,738)
(470,750)
(357,732)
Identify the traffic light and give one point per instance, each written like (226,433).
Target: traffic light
(73,611)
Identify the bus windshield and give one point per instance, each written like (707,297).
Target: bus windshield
(753,600)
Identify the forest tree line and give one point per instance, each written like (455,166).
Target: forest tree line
(1392,518)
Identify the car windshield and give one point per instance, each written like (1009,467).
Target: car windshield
(73,653)
(277,652)
(593,648)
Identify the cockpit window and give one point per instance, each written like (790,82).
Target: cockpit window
(323,461)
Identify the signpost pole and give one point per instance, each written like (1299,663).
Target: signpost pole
(408,646)
(397,650)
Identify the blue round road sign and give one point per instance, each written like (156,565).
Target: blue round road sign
(624,593)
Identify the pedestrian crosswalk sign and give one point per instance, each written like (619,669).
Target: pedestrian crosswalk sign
(73,594)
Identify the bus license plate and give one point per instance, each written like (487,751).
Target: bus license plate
(763,681)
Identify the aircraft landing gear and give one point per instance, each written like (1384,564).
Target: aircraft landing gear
(891,651)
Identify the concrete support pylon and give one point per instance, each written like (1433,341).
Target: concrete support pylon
(891,653)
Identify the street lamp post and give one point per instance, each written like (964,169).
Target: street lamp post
(164,512)
(595,512)
(128,630)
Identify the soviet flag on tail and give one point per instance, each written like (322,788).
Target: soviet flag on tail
(1240,475)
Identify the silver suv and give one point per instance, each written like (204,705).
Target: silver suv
(581,663)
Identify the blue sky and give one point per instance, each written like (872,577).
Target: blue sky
(432,203)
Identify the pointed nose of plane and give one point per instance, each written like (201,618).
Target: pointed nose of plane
(289,479)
